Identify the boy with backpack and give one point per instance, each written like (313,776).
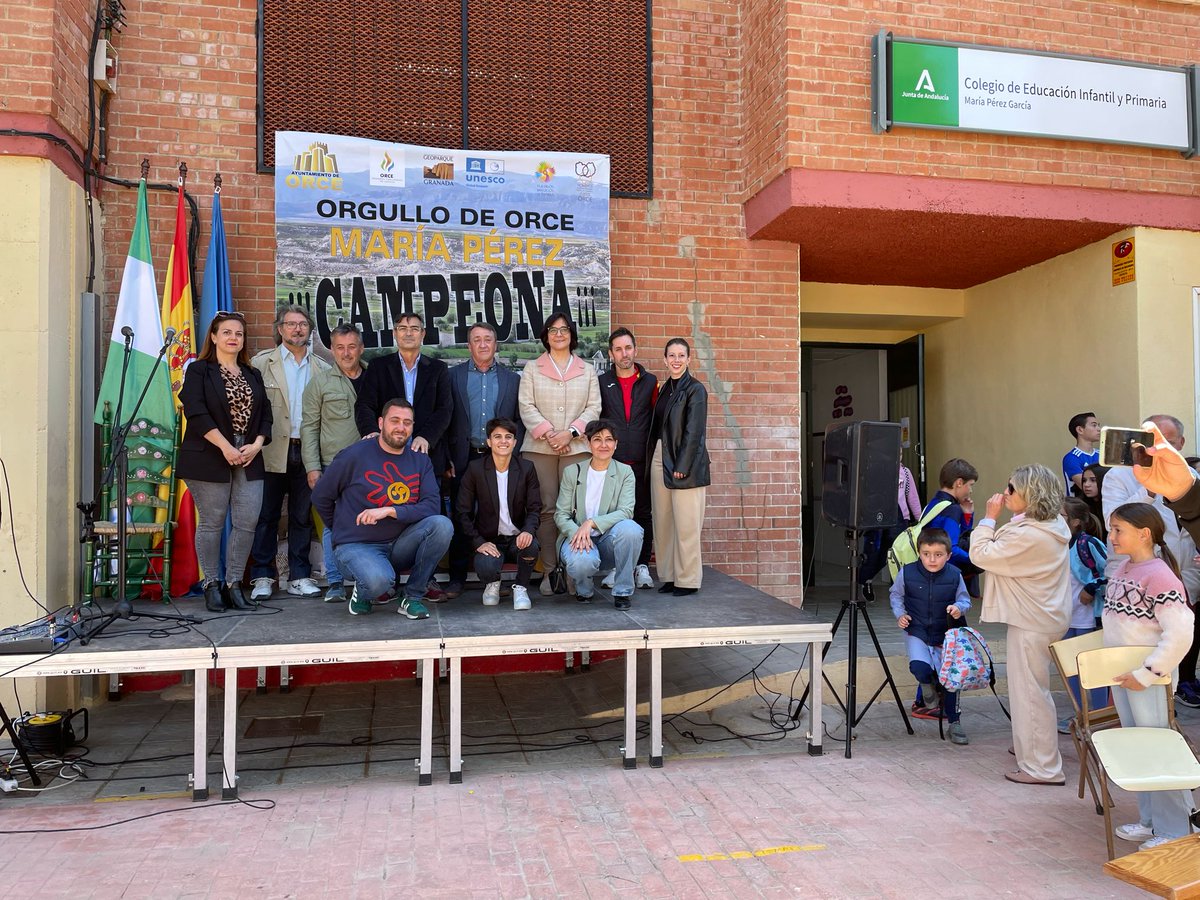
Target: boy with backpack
(924,593)
(956,480)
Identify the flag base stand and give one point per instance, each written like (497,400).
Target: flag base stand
(118,472)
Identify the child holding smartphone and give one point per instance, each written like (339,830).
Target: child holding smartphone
(1145,603)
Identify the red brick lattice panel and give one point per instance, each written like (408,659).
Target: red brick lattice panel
(386,70)
(565,75)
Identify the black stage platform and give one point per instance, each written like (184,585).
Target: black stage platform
(308,632)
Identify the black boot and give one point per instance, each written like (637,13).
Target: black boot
(237,598)
(666,587)
(213,601)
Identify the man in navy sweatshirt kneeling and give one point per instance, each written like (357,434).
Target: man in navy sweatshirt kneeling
(382,500)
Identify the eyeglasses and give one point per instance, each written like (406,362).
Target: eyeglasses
(560,330)
(295,324)
(413,329)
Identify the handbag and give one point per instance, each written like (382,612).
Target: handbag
(558,579)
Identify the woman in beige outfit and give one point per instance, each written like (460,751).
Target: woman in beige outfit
(1027,589)
(559,395)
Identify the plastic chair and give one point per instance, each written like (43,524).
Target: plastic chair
(1064,654)
(1139,758)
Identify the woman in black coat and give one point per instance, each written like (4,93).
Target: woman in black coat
(228,422)
(678,472)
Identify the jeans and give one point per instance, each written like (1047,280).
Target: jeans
(374,566)
(488,567)
(332,573)
(924,661)
(294,483)
(242,499)
(616,549)
(1167,812)
(1097,697)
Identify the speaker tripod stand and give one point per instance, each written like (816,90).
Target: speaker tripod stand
(856,606)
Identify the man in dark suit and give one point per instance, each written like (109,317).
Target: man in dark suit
(421,380)
(483,389)
(498,510)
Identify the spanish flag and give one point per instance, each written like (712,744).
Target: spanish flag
(179,313)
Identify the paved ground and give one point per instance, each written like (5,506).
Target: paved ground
(545,813)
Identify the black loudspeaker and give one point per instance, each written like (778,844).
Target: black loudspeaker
(860,475)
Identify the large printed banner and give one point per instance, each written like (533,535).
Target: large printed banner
(366,230)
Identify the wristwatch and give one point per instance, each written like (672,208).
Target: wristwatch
(574,431)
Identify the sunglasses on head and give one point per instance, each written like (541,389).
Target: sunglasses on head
(222,316)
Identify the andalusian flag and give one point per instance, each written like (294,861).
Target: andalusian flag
(137,309)
(177,313)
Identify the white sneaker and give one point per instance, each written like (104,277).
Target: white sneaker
(1135,831)
(1156,842)
(263,588)
(641,577)
(520,596)
(303,587)
(491,594)
(609,580)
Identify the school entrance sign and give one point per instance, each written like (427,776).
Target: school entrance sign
(933,84)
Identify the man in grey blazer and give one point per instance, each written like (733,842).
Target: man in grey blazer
(483,389)
(594,517)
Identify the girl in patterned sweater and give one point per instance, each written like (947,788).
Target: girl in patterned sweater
(1145,604)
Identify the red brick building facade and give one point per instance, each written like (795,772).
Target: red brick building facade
(766,173)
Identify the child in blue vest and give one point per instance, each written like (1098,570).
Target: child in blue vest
(923,595)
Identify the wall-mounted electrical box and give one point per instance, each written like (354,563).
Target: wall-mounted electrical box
(104,67)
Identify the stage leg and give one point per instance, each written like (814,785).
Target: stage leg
(443,672)
(816,677)
(585,661)
(630,748)
(260,682)
(569,663)
(200,737)
(425,766)
(285,680)
(114,686)
(656,739)
(456,720)
(229,789)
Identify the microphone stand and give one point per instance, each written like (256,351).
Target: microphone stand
(118,465)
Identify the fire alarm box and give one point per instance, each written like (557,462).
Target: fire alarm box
(104,67)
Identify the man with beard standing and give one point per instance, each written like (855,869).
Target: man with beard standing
(382,499)
(627,394)
(287,369)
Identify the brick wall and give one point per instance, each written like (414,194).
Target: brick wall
(681,263)
(828,55)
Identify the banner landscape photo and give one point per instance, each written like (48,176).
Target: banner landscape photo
(366,230)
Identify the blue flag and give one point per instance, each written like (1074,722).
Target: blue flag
(217,293)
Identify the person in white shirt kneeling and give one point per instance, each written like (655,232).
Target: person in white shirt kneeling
(594,516)
(499,503)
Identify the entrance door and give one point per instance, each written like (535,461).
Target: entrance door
(906,405)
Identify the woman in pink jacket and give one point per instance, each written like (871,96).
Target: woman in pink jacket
(559,395)
(1027,588)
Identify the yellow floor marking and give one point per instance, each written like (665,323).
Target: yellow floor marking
(165,795)
(749,854)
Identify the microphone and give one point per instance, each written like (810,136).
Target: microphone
(128,334)
(169,336)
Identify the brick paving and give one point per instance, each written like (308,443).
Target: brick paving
(726,817)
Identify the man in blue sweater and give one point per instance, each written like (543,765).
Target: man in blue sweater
(382,501)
